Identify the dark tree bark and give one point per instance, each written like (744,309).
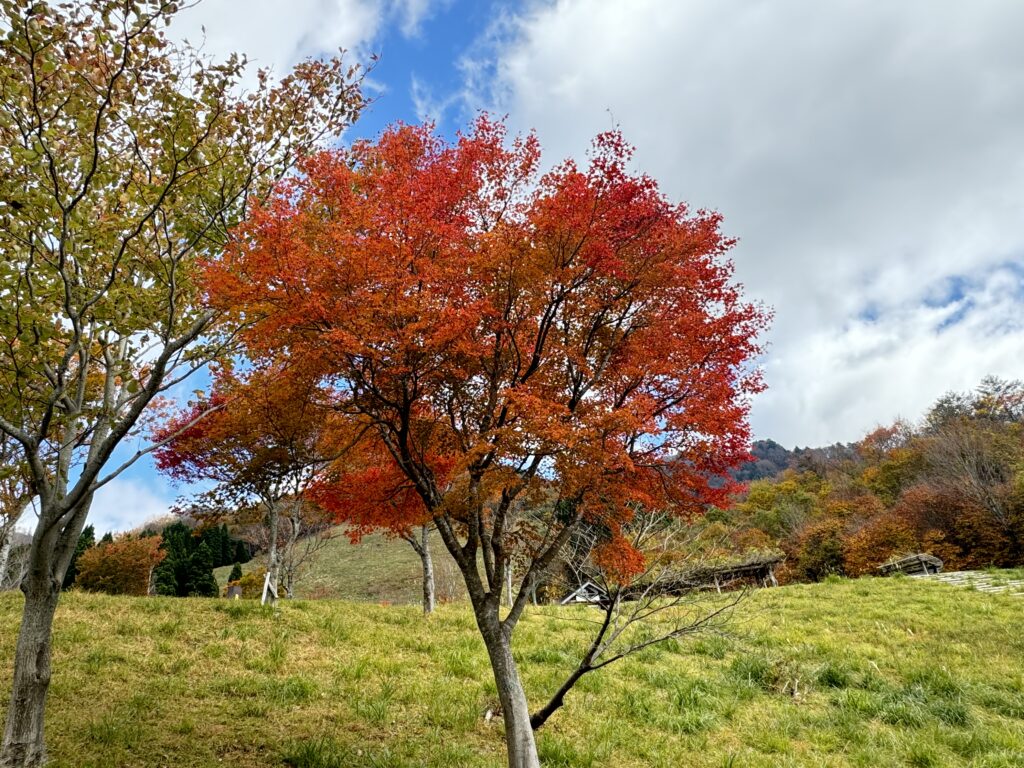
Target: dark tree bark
(24,744)
(23,736)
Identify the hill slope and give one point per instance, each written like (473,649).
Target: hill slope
(888,673)
(377,569)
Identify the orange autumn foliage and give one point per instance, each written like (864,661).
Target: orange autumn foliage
(367,492)
(121,567)
(882,538)
(490,324)
(258,436)
(817,551)
(963,535)
(619,561)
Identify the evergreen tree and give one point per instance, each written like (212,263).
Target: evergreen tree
(219,540)
(227,551)
(241,552)
(164,581)
(211,538)
(201,582)
(173,573)
(86,540)
(236,572)
(108,538)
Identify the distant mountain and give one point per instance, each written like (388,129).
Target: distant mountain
(770,459)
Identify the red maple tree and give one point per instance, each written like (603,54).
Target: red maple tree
(261,437)
(545,351)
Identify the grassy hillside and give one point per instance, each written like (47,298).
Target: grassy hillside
(378,569)
(891,672)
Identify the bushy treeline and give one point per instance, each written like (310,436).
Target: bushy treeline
(176,560)
(189,560)
(952,485)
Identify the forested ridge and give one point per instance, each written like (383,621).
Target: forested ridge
(951,484)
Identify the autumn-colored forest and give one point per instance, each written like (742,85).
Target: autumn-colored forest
(951,484)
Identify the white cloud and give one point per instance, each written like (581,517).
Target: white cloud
(123,504)
(865,153)
(412,13)
(429,107)
(277,35)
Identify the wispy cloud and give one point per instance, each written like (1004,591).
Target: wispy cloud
(867,154)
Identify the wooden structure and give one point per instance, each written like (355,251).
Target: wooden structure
(758,570)
(588,592)
(919,564)
(269,591)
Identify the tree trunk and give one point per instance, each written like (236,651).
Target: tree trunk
(273,556)
(519,738)
(5,558)
(429,599)
(52,547)
(24,745)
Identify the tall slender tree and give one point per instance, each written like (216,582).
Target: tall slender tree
(264,440)
(124,162)
(527,353)
(365,491)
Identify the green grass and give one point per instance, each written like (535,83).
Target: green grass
(377,570)
(866,673)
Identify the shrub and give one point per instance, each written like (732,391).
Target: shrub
(882,538)
(121,567)
(252,583)
(819,550)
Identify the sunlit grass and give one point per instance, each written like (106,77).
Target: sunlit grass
(852,673)
(378,569)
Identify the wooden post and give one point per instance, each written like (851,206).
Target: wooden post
(269,590)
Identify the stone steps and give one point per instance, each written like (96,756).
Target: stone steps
(978,580)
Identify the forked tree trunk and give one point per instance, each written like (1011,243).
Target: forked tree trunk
(429,597)
(519,737)
(24,745)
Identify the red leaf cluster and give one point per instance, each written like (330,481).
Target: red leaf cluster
(487,330)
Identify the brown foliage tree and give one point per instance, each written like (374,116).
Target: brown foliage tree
(882,538)
(121,567)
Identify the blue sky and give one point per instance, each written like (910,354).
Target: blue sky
(868,155)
